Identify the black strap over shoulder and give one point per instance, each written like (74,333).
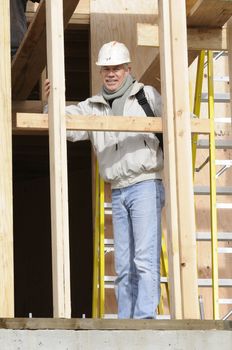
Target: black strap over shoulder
(142,100)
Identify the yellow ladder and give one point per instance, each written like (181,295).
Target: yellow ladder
(98,299)
(212,165)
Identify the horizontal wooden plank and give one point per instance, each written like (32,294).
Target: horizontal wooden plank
(101,324)
(198,38)
(112,123)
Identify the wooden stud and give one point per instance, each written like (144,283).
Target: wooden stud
(6,217)
(58,161)
(229,45)
(171,205)
(184,185)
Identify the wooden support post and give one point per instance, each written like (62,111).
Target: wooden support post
(6,220)
(58,160)
(184,183)
(169,163)
(229,46)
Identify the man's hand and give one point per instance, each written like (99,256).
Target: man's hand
(47,87)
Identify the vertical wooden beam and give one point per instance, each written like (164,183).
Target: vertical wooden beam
(169,162)
(185,196)
(229,46)
(58,160)
(6,220)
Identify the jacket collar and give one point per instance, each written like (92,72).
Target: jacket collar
(99,98)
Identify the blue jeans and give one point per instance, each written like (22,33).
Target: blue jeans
(137,236)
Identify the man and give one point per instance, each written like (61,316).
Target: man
(132,163)
(18,23)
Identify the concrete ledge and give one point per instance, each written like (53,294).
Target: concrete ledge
(115,339)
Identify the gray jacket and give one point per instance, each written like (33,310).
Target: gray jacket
(125,158)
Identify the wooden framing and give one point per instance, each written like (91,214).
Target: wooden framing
(200,13)
(176,126)
(171,204)
(198,38)
(30,59)
(229,47)
(114,123)
(101,324)
(177,60)
(58,161)
(6,219)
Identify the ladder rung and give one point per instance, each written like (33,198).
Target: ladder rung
(221,78)
(207,282)
(224,205)
(158,317)
(227,162)
(110,280)
(107,205)
(221,236)
(109,316)
(225,301)
(225,250)
(109,242)
(205,190)
(223,120)
(218,97)
(220,144)
(108,208)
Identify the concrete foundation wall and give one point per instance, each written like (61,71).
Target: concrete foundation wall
(115,340)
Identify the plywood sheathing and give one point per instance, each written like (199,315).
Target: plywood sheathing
(204,13)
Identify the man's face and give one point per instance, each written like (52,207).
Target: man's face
(113,76)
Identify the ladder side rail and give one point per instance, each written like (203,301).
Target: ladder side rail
(96,240)
(197,103)
(213,208)
(101,247)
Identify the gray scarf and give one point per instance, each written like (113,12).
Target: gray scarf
(119,96)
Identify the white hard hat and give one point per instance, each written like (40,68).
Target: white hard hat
(112,54)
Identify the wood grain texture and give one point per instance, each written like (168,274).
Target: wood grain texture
(183,154)
(198,38)
(201,13)
(112,123)
(97,324)
(6,199)
(58,161)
